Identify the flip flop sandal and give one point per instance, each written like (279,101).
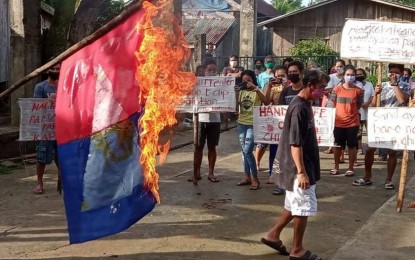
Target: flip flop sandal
(38,190)
(190,179)
(307,256)
(276,245)
(349,174)
(254,187)
(328,151)
(244,183)
(361,182)
(334,172)
(212,179)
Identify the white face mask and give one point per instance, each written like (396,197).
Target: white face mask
(233,63)
(349,79)
(340,70)
(397,76)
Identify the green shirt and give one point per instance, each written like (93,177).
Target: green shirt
(247,101)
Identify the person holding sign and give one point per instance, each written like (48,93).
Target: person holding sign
(209,131)
(295,73)
(46,150)
(369,92)
(297,168)
(347,98)
(248,95)
(393,93)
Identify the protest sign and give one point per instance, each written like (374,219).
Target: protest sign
(391,128)
(378,41)
(211,94)
(269,122)
(37,119)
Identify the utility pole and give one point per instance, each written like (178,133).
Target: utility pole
(25,54)
(248,30)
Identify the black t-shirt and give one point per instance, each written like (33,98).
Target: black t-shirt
(287,95)
(298,130)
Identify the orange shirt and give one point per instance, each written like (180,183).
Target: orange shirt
(347,103)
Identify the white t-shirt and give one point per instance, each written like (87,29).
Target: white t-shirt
(369,92)
(334,81)
(209,117)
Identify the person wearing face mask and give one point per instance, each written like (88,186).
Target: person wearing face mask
(259,67)
(209,132)
(295,70)
(393,93)
(407,74)
(347,98)
(46,150)
(369,92)
(336,78)
(272,92)
(248,95)
(297,169)
(233,70)
(264,77)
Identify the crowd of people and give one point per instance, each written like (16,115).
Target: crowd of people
(294,164)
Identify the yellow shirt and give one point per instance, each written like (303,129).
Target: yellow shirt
(247,101)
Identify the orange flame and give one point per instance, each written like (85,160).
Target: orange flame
(163,85)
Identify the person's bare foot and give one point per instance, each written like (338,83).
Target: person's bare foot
(411,204)
(38,189)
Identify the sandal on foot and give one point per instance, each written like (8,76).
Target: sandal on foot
(38,190)
(307,256)
(212,179)
(276,245)
(269,182)
(334,172)
(244,183)
(253,186)
(411,204)
(361,182)
(328,151)
(349,174)
(190,179)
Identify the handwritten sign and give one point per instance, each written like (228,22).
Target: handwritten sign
(269,122)
(378,41)
(392,128)
(37,119)
(211,94)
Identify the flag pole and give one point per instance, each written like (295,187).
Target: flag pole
(379,83)
(196,145)
(404,172)
(132,8)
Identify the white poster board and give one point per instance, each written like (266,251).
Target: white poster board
(378,41)
(211,94)
(269,122)
(37,119)
(392,128)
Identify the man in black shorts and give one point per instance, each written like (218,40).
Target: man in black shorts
(209,131)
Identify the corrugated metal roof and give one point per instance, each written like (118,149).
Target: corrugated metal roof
(214,29)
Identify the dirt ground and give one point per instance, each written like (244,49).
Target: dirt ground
(210,221)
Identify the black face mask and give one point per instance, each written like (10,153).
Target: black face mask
(53,75)
(258,67)
(294,78)
(360,78)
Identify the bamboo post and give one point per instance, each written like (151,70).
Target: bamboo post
(379,83)
(134,7)
(404,172)
(196,144)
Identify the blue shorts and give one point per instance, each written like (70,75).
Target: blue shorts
(46,151)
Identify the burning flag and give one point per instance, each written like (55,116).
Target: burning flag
(114,98)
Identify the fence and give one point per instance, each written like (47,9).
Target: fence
(324,62)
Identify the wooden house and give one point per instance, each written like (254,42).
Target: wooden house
(326,20)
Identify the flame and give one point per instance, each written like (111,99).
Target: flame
(162,53)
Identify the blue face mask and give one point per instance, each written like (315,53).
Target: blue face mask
(405,79)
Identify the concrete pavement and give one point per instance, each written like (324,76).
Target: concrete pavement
(213,220)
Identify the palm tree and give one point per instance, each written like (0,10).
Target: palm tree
(286,6)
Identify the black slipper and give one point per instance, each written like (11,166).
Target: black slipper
(276,245)
(190,179)
(307,256)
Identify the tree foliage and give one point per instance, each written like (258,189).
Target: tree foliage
(312,47)
(286,6)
